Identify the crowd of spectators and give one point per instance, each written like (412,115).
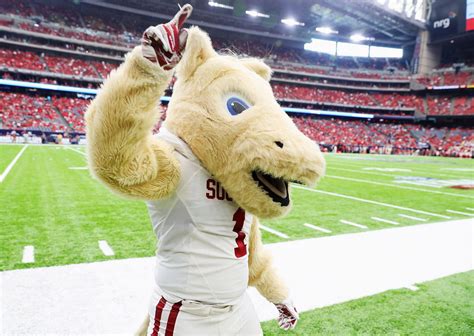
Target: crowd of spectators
(445,141)
(20,59)
(70,66)
(371,99)
(23,111)
(447,78)
(351,136)
(69,22)
(435,105)
(287,91)
(73,110)
(58,114)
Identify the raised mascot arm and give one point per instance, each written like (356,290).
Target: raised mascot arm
(264,277)
(122,152)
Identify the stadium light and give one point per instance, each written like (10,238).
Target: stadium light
(254,13)
(359,38)
(292,22)
(326,30)
(219,5)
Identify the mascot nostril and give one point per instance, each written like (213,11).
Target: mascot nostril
(279,144)
(206,177)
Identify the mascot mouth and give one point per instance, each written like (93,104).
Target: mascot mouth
(276,188)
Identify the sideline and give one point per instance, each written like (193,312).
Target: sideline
(111,297)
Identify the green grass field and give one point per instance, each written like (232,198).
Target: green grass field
(49,200)
(441,307)
(63,212)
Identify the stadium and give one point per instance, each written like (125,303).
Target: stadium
(383,245)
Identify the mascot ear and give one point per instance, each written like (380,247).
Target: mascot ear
(198,50)
(258,67)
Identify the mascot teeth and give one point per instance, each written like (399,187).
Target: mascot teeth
(276,188)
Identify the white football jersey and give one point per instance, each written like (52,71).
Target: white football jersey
(202,234)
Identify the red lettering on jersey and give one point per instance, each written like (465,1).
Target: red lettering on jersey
(239,219)
(211,194)
(215,190)
(220,193)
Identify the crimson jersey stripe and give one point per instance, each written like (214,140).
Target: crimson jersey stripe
(181,19)
(171,38)
(158,313)
(172,319)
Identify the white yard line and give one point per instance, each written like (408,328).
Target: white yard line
(361,171)
(459,169)
(397,186)
(28,254)
(413,170)
(111,297)
(77,151)
(317,228)
(10,166)
(460,213)
(343,221)
(105,248)
(470,209)
(414,218)
(371,202)
(275,232)
(378,219)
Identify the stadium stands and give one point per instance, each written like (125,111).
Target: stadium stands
(70,66)
(355,84)
(99,69)
(21,59)
(26,112)
(72,109)
(387,138)
(447,78)
(61,114)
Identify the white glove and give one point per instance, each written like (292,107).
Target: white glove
(288,316)
(164,43)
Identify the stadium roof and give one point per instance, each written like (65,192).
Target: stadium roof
(365,17)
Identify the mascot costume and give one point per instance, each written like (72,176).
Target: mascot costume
(222,159)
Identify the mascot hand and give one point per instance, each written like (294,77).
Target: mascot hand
(288,316)
(163,44)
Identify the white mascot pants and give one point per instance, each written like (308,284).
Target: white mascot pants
(190,318)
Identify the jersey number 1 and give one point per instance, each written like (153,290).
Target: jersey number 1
(239,219)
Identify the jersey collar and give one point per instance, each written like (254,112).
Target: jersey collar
(179,145)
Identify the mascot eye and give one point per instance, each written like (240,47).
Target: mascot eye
(236,105)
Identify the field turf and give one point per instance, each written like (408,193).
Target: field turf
(440,307)
(50,201)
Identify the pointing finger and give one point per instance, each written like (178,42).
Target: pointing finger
(181,17)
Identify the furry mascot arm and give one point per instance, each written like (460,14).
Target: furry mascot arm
(122,152)
(262,274)
(264,277)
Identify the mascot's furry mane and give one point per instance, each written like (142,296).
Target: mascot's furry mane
(253,154)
